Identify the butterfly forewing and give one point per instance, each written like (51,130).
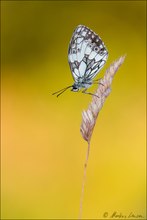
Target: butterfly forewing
(87,53)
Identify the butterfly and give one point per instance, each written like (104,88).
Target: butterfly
(87,54)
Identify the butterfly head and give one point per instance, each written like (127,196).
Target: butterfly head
(75,88)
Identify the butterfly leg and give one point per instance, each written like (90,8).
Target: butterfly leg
(89,93)
(96,81)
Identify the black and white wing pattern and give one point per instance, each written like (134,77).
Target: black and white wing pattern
(87,53)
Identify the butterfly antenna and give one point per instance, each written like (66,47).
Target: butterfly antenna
(61,91)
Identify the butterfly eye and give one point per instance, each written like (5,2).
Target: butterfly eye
(74,88)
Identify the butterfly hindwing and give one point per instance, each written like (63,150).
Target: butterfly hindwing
(87,53)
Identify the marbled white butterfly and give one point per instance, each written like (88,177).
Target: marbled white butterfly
(87,54)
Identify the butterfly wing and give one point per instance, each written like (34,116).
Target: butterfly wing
(87,53)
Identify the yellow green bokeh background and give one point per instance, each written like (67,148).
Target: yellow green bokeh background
(43,151)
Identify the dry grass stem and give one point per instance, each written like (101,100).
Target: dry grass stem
(90,115)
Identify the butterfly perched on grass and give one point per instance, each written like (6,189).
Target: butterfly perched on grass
(87,54)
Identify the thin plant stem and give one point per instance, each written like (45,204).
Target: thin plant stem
(84,180)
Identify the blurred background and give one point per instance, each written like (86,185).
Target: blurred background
(43,152)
